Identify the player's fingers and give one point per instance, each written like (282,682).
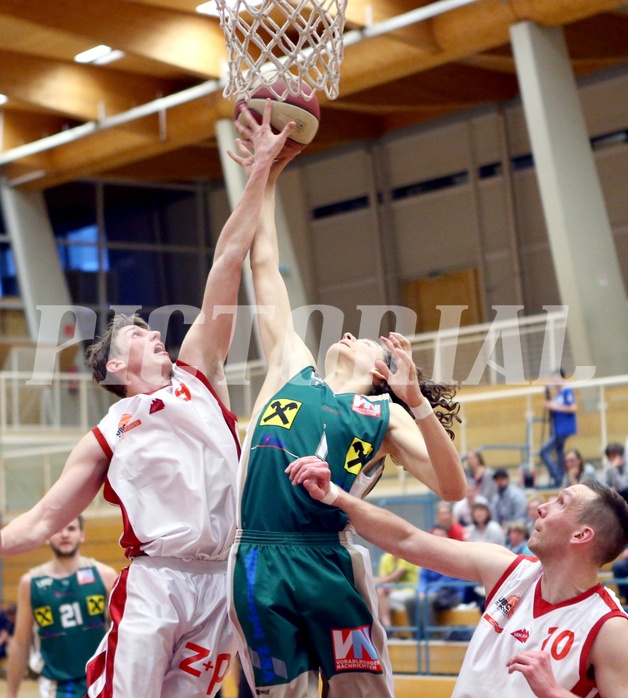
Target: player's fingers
(235,158)
(249,125)
(300,463)
(401,340)
(313,488)
(268,110)
(287,129)
(311,471)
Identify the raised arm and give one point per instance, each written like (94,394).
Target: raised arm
(207,342)
(284,351)
(81,479)
(425,451)
(480,562)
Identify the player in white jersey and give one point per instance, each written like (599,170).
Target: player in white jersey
(167,455)
(550,628)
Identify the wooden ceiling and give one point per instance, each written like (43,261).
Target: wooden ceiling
(450,62)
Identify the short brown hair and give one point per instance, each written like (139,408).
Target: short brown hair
(99,353)
(607,515)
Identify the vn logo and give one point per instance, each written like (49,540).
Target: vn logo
(353,650)
(358,455)
(280,413)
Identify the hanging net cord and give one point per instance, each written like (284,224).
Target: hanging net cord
(277,41)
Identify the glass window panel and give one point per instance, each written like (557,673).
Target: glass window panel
(8,273)
(71,207)
(158,216)
(136,278)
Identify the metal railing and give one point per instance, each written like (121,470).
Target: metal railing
(53,416)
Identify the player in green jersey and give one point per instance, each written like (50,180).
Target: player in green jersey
(304,602)
(65,602)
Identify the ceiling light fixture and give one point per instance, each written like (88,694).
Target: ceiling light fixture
(209,8)
(3,99)
(99,55)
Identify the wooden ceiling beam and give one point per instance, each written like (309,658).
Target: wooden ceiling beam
(190,42)
(185,125)
(362,13)
(78,91)
(367,64)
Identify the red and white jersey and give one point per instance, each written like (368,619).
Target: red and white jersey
(173,461)
(517,619)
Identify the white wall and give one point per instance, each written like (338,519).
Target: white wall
(495,224)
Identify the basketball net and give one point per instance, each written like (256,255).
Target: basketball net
(278,40)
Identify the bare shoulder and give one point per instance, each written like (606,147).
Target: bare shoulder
(613,635)
(398,414)
(26,578)
(609,658)
(108,574)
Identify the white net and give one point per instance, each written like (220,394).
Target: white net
(278,40)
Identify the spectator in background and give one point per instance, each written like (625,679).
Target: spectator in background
(7,626)
(620,571)
(615,471)
(509,504)
(394,570)
(517,538)
(532,512)
(577,469)
(437,592)
(560,402)
(462,510)
(483,529)
(478,471)
(445,518)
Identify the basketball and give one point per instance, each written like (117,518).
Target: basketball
(305,113)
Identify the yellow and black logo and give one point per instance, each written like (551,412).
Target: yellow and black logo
(280,413)
(43,616)
(95,605)
(358,455)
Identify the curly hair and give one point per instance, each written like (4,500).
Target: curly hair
(439,395)
(99,352)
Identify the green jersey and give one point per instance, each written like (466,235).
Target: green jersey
(304,418)
(70,617)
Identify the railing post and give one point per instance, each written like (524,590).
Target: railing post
(603,421)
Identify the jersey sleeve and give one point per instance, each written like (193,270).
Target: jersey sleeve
(105,432)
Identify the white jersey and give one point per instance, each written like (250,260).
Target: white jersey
(518,619)
(174,455)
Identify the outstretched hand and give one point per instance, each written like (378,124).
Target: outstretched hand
(259,144)
(311,472)
(404,380)
(537,670)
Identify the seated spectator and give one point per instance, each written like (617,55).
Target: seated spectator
(620,571)
(517,538)
(478,471)
(577,469)
(437,592)
(615,471)
(445,518)
(483,529)
(7,626)
(509,504)
(462,510)
(395,570)
(532,512)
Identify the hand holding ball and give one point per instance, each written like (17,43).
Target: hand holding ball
(305,113)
